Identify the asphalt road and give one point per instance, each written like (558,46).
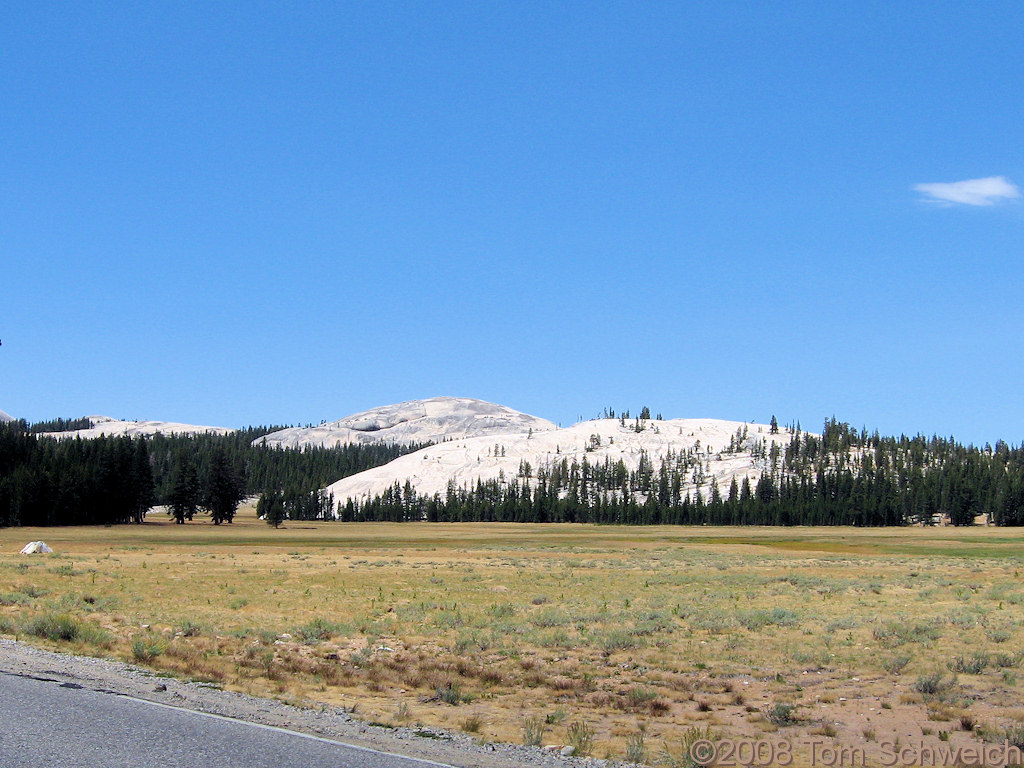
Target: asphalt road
(47,724)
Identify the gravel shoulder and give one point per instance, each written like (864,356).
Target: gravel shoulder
(454,749)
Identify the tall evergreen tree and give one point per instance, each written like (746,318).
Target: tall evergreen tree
(271,508)
(183,498)
(143,493)
(224,488)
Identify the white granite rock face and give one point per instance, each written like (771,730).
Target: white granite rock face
(108,427)
(435,420)
(727,450)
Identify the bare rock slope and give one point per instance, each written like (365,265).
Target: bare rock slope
(108,427)
(719,450)
(435,420)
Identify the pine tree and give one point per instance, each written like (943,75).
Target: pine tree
(271,508)
(183,498)
(224,488)
(142,488)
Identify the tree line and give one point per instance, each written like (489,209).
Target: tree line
(842,477)
(112,480)
(61,425)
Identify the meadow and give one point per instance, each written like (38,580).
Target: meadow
(627,642)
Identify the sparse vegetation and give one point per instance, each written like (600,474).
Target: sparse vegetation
(895,664)
(636,748)
(533,731)
(54,627)
(683,758)
(1014,734)
(782,714)
(974,665)
(934,685)
(61,627)
(580,738)
(648,631)
(144,650)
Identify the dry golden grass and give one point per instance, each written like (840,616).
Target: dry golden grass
(640,633)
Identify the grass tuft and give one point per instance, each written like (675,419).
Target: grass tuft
(580,738)
(782,714)
(533,731)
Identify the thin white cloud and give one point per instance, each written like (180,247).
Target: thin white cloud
(987,191)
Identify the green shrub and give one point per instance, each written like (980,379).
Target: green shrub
(1004,660)
(56,627)
(451,693)
(147,650)
(782,714)
(550,617)
(65,628)
(934,685)
(191,629)
(637,696)
(501,610)
(712,621)
(469,643)
(900,631)
(896,664)
(533,731)
(683,759)
(1015,735)
(999,634)
(319,629)
(636,750)
(616,640)
(756,618)
(554,718)
(972,666)
(580,738)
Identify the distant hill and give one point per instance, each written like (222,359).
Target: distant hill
(693,471)
(105,426)
(448,458)
(434,420)
(719,451)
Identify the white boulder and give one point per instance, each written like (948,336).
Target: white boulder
(36,548)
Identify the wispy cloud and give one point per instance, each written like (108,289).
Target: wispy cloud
(987,191)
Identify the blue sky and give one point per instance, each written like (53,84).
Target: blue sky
(287,212)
